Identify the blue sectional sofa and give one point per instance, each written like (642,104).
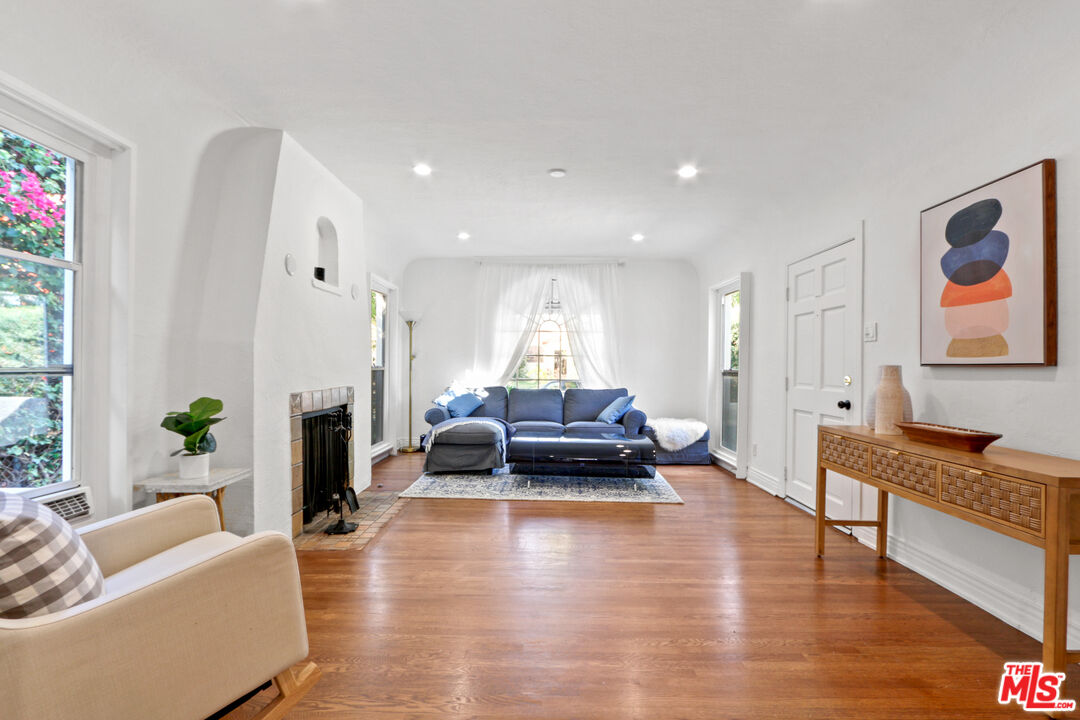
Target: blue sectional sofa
(474,448)
(550,409)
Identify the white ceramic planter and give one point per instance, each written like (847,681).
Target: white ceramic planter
(194,466)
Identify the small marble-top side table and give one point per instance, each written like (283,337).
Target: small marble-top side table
(213,485)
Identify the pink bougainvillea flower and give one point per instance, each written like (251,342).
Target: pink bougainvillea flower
(17,204)
(30,183)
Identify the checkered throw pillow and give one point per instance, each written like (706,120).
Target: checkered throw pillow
(44,564)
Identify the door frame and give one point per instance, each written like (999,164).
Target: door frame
(388,444)
(739,461)
(857,236)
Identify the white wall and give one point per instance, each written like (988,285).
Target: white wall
(930,155)
(250,333)
(662,334)
(306,338)
(222,267)
(171,122)
(202,193)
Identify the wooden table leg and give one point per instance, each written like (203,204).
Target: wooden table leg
(217,496)
(883,522)
(819,512)
(1056,587)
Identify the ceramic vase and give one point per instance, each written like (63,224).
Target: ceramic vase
(194,466)
(889,402)
(871,403)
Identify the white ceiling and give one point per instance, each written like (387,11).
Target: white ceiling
(766,96)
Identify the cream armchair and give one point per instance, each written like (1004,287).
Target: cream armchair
(192,618)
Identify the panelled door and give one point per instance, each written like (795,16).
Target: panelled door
(824,325)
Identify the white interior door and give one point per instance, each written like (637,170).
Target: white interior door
(824,321)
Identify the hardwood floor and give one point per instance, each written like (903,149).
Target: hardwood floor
(713,609)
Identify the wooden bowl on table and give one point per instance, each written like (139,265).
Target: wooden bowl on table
(954,438)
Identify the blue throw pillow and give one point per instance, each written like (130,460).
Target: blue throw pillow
(614,412)
(464,405)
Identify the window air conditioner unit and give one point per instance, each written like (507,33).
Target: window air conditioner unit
(74,504)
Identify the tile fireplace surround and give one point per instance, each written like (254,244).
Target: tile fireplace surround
(300,403)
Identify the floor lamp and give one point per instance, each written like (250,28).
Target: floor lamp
(410,318)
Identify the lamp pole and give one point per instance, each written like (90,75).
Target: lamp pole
(411,322)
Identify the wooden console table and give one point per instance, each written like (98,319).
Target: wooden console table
(1020,494)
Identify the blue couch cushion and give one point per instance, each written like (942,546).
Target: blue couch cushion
(597,426)
(464,405)
(613,412)
(535,405)
(436,415)
(494,403)
(534,425)
(582,405)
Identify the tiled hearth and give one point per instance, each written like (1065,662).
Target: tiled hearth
(376,510)
(300,403)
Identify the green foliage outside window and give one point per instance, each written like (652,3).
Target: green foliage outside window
(33,187)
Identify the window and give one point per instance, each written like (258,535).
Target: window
(39,275)
(548,361)
(729,315)
(729,369)
(378,366)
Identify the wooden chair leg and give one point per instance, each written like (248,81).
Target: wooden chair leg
(291,688)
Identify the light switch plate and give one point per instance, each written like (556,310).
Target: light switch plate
(869,332)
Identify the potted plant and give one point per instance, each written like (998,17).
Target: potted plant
(194,425)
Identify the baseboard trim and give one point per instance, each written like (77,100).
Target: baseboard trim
(766,482)
(866,535)
(1011,603)
(381,451)
(718,459)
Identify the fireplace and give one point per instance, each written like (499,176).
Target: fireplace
(313,404)
(326,435)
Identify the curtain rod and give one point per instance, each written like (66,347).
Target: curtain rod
(512,260)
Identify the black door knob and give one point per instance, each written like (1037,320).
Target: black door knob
(844,404)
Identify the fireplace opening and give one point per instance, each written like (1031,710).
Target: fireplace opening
(326,458)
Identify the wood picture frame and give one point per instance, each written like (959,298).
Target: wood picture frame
(988,273)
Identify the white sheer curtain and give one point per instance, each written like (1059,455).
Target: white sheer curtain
(510,299)
(590,296)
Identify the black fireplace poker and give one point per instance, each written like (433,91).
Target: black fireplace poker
(345,496)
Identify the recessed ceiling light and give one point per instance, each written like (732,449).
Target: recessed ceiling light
(687,171)
(422,169)
(463,235)
(557,172)
(637,237)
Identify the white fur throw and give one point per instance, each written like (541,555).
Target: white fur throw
(674,434)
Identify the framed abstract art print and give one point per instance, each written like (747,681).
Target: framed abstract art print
(989,273)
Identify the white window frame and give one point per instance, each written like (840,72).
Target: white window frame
(390,361)
(738,462)
(100,407)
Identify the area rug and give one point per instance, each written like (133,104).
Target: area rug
(507,486)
